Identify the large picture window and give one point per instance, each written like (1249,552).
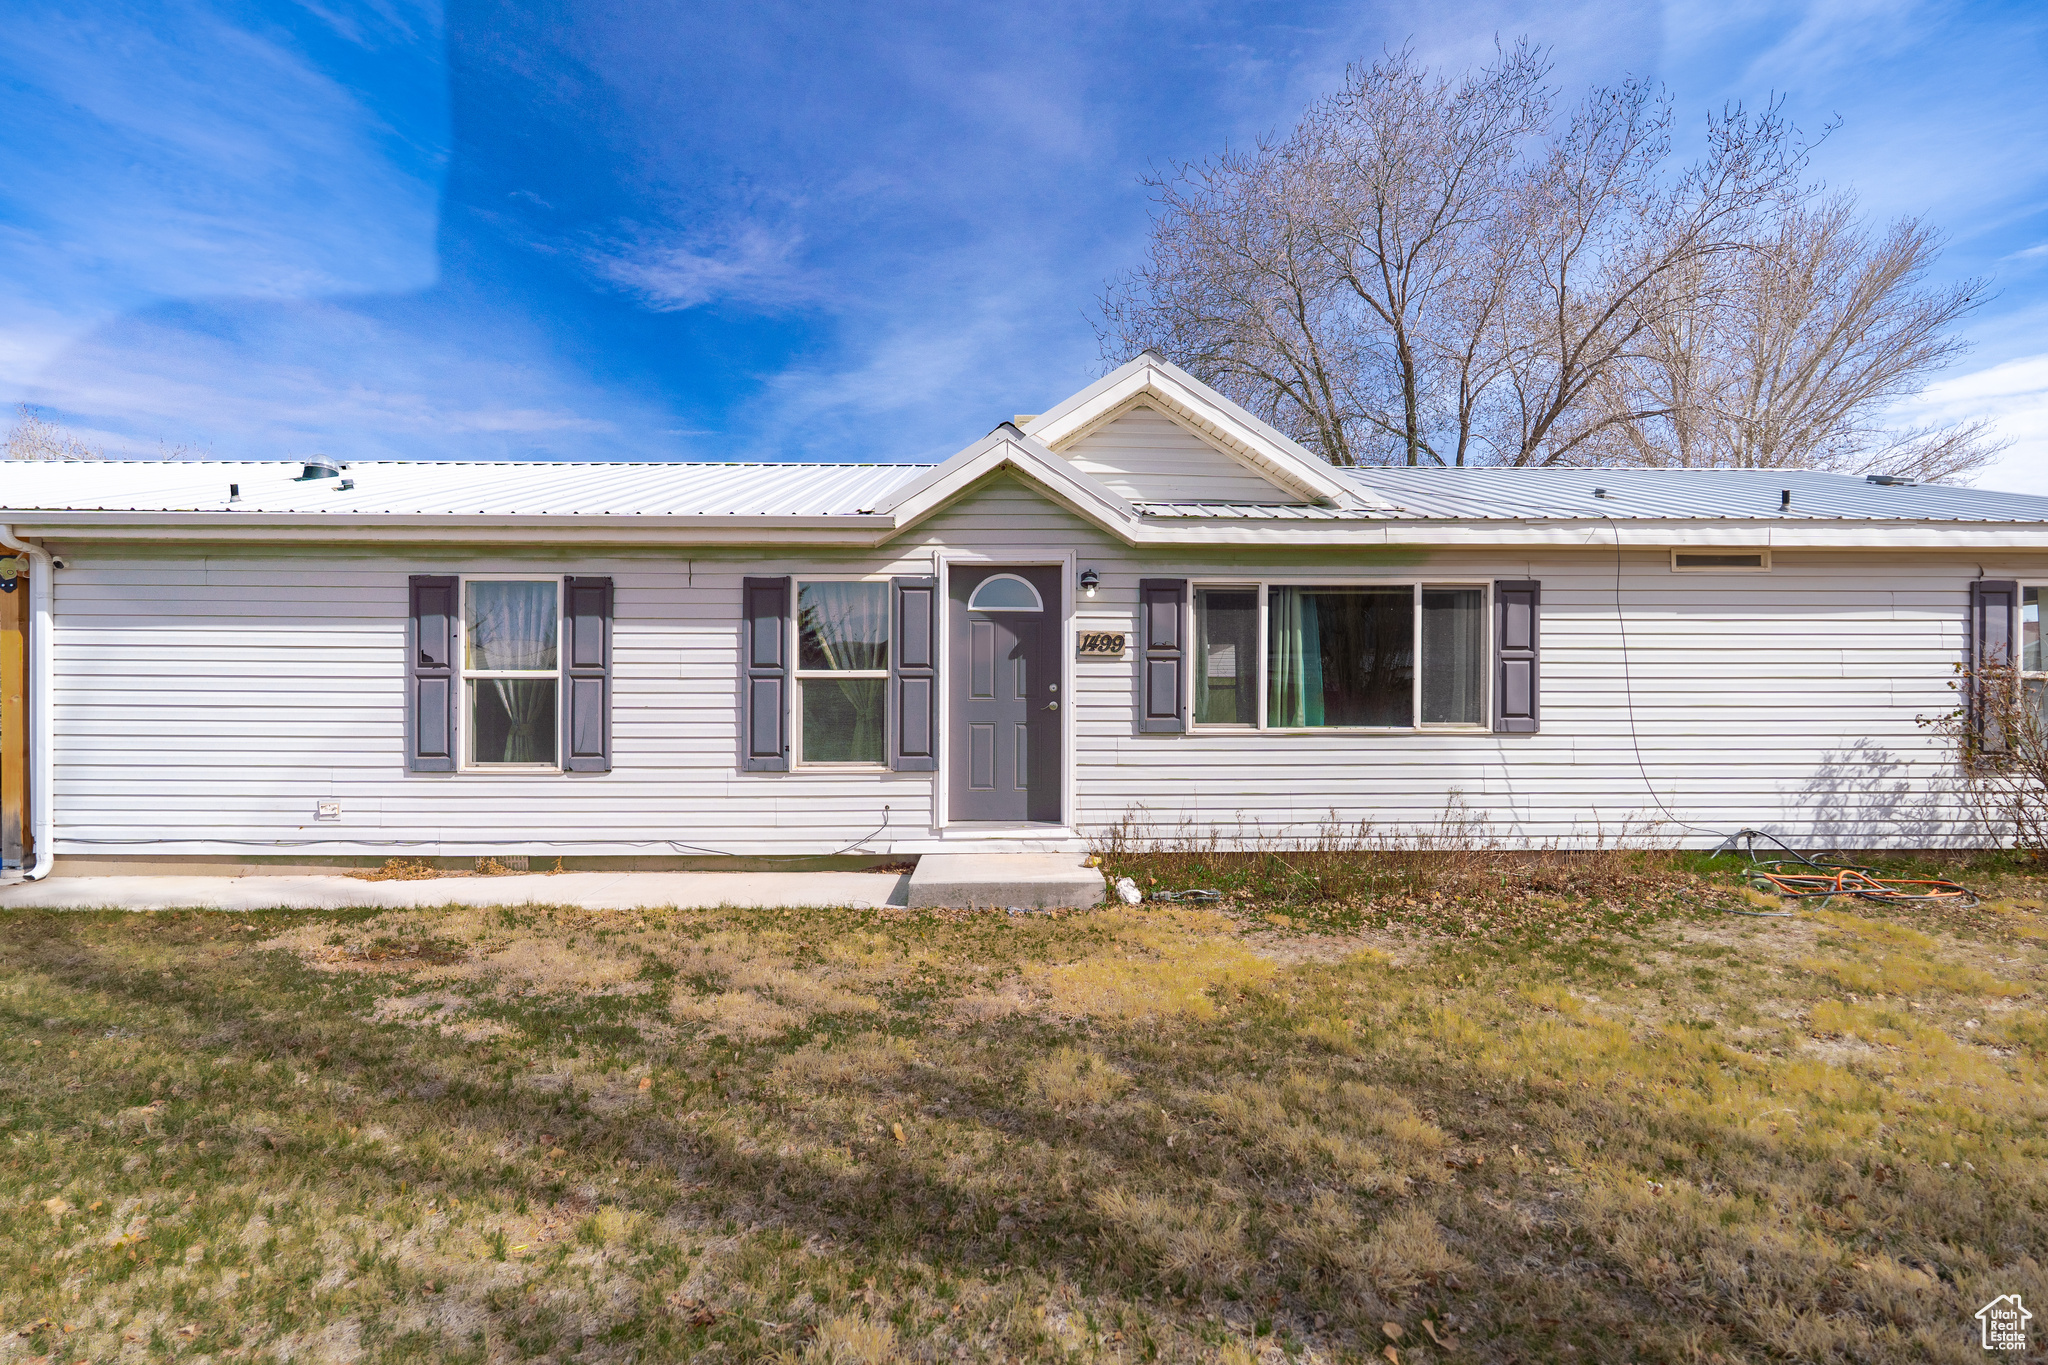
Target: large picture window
(842,673)
(1340,656)
(510,669)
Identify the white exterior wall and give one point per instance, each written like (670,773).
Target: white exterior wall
(204,703)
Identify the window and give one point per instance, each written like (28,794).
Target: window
(1340,656)
(1005,592)
(1453,666)
(842,673)
(1226,656)
(511,680)
(2033,664)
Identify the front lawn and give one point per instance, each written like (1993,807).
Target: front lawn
(1513,1110)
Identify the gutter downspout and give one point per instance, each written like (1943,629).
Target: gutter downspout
(42,715)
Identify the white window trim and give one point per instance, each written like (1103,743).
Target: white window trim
(463,724)
(1415,726)
(1763,566)
(798,675)
(2019,645)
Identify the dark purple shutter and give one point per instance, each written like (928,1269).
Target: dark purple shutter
(587,675)
(1162,661)
(1517,673)
(914,675)
(764,675)
(1994,611)
(431,678)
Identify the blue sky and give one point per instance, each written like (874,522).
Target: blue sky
(637,230)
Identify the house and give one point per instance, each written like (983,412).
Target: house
(1144,602)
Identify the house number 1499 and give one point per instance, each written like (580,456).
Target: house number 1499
(1101,644)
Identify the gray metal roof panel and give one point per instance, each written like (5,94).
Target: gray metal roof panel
(682,489)
(1567,494)
(455,489)
(1260,511)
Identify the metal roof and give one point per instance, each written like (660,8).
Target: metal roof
(509,489)
(694,489)
(1258,511)
(1562,494)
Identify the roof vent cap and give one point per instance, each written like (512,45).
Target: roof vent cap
(319,467)
(1888,480)
(1599,492)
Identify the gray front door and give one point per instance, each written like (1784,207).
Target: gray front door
(1004,693)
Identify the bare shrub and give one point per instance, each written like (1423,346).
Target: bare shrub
(1454,855)
(2000,743)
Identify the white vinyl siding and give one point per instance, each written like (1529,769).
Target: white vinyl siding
(1146,456)
(204,704)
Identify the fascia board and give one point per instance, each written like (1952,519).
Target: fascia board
(414,528)
(1057,417)
(946,473)
(1067,485)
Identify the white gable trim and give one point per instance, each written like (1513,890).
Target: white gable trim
(1208,414)
(1007,448)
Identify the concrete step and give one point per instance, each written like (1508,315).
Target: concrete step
(1032,881)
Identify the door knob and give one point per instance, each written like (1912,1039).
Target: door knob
(1052,706)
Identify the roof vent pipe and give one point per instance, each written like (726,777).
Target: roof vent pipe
(319,468)
(1785,500)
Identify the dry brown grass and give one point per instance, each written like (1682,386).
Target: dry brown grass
(1651,1133)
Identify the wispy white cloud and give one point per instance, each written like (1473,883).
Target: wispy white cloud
(174,151)
(750,263)
(2013,397)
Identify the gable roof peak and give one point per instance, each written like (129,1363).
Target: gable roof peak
(1151,380)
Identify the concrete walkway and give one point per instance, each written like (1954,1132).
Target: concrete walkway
(586,890)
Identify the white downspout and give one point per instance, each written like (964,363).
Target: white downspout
(42,727)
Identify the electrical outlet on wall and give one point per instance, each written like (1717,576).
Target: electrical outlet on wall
(327,810)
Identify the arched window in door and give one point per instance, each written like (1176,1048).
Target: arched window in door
(1005,592)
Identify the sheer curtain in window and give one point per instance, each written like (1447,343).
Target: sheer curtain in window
(1294,659)
(512,629)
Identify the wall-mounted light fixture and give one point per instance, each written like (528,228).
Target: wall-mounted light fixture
(1089,580)
(10,570)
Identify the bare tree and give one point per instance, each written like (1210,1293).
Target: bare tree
(1327,280)
(36,438)
(1793,351)
(1612,243)
(1426,270)
(1239,293)
(1413,170)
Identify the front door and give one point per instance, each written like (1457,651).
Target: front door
(1004,693)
